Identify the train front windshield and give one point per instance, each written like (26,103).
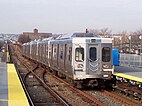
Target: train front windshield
(106,54)
(79,54)
(93,54)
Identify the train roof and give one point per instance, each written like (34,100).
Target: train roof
(85,40)
(92,40)
(84,35)
(75,38)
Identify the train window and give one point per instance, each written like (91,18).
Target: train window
(79,54)
(55,49)
(106,54)
(51,53)
(61,53)
(70,53)
(93,54)
(47,50)
(54,52)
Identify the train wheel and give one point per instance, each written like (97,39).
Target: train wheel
(72,83)
(61,75)
(108,85)
(54,72)
(79,85)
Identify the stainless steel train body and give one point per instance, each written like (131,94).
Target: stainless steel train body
(87,60)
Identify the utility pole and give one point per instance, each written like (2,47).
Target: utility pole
(140,37)
(130,44)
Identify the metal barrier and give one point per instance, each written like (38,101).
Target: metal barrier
(132,60)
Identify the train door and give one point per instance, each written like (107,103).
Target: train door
(54,59)
(41,53)
(57,55)
(33,50)
(45,54)
(49,53)
(93,58)
(41,60)
(69,60)
(52,55)
(38,51)
(47,59)
(65,55)
(61,57)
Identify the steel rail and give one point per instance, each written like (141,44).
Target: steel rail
(120,99)
(24,87)
(53,93)
(86,96)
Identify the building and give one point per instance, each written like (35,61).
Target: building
(35,35)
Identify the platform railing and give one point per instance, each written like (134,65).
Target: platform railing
(132,60)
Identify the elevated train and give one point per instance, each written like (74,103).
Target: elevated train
(84,61)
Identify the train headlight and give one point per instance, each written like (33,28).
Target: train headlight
(80,66)
(105,66)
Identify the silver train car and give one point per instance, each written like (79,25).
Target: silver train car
(84,61)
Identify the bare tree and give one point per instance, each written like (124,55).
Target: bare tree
(102,32)
(139,32)
(136,35)
(124,36)
(136,38)
(24,38)
(105,31)
(95,31)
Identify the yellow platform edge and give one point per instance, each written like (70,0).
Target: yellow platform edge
(16,94)
(128,77)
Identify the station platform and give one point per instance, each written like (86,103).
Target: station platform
(11,90)
(131,73)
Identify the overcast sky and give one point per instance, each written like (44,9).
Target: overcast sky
(68,16)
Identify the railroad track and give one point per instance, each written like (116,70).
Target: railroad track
(74,96)
(68,94)
(40,93)
(61,90)
(129,90)
(111,99)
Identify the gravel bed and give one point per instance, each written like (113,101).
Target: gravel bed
(68,94)
(105,99)
(39,95)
